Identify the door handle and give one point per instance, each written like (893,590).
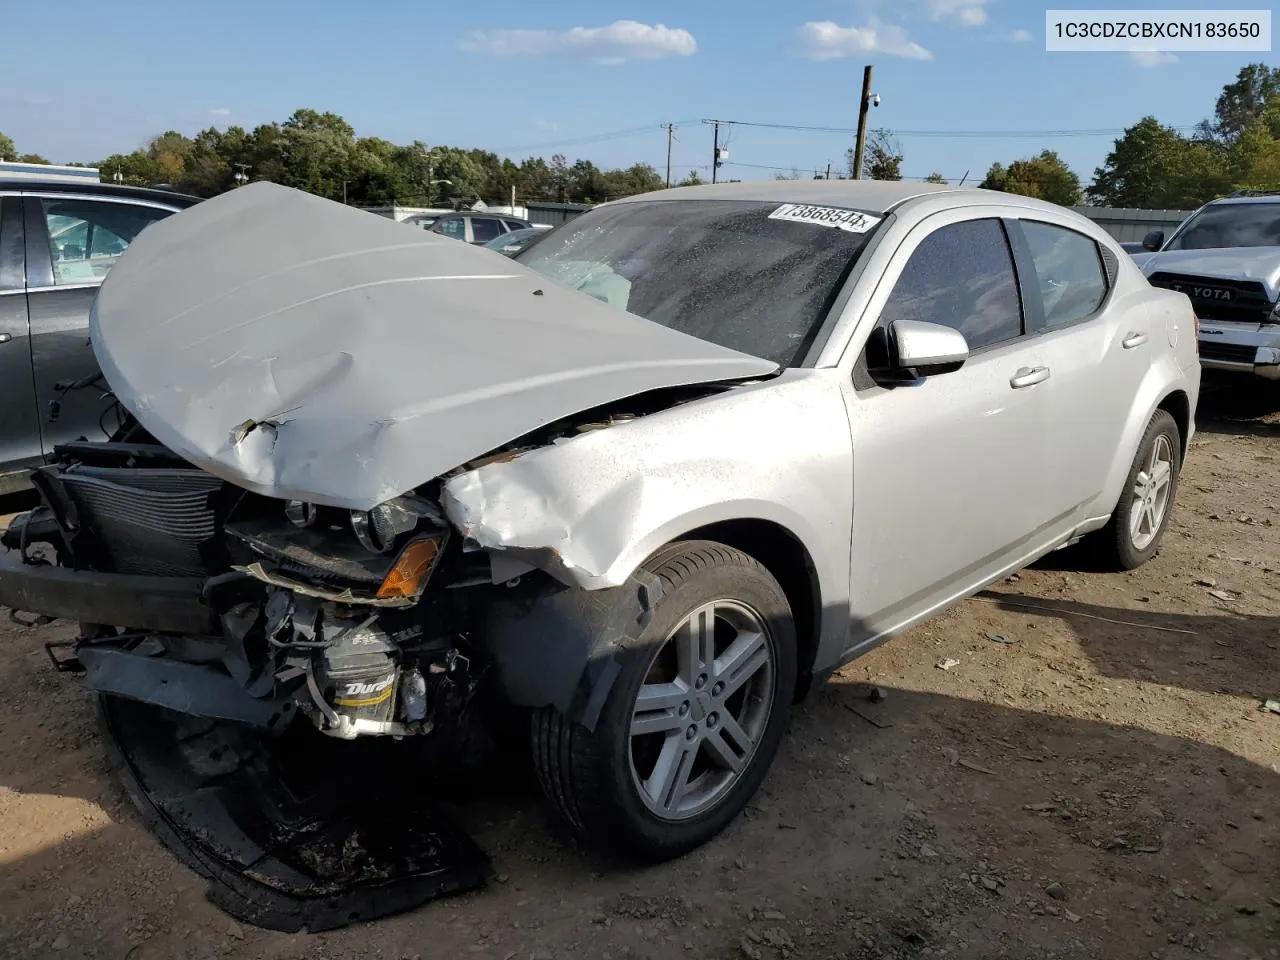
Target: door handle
(1133,340)
(1029,377)
(5,337)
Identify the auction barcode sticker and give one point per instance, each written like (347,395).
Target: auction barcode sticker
(851,221)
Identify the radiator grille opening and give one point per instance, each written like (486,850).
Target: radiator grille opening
(149,522)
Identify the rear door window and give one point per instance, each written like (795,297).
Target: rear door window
(484,229)
(455,227)
(1069,269)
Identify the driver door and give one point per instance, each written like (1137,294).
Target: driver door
(946,468)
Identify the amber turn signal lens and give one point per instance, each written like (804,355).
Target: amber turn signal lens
(412,569)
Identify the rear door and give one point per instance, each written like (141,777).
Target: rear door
(19,421)
(1099,346)
(72,241)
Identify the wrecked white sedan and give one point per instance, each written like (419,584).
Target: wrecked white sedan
(649,481)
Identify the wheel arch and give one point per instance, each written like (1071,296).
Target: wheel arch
(1178,405)
(786,557)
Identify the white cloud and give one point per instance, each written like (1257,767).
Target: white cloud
(220,112)
(1152,58)
(616,43)
(826,40)
(546,125)
(1017,36)
(967,13)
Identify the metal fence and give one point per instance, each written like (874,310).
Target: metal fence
(554,214)
(1127,223)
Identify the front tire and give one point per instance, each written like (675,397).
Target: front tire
(693,720)
(1133,535)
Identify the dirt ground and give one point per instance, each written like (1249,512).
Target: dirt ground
(1104,784)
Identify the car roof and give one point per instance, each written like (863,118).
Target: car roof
(1263,198)
(38,185)
(879,195)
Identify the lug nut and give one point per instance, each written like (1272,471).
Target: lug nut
(700,682)
(684,708)
(712,720)
(717,689)
(691,733)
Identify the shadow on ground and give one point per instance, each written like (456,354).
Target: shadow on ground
(900,828)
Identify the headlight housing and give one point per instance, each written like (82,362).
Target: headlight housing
(380,528)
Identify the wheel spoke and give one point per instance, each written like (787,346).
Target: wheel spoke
(1161,476)
(669,780)
(695,643)
(658,708)
(745,657)
(1136,513)
(1153,522)
(723,752)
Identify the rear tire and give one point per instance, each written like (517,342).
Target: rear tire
(656,779)
(1138,524)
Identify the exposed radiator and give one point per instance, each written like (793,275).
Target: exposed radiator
(150,522)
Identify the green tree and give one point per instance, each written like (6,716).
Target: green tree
(8,150)
(1043,176)
(1255,156)
(935,177)
(315,150)
(134,168)
(1153,166)
(32,158)
(206,171)
(694,179)
(168,154)
(1244,100)
(882,159)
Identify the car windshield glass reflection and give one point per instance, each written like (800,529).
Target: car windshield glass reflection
(722,271)
(1231,225)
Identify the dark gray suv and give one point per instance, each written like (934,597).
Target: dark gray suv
(58,240)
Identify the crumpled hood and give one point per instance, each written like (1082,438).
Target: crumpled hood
(1230,263)
(308,350)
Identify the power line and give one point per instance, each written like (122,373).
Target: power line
(952,134)
(595,138)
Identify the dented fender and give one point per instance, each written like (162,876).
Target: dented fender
(589,510)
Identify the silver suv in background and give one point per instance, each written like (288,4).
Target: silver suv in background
(1226,258)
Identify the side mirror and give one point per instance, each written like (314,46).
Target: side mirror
(927,349)
(1153,241)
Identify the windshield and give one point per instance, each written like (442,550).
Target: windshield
(755,277)
(1231,225)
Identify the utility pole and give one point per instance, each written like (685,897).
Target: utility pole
(863,105)
(715,158)
(671,135)
(828,177)
(718,156)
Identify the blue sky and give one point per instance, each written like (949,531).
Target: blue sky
(531,78)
